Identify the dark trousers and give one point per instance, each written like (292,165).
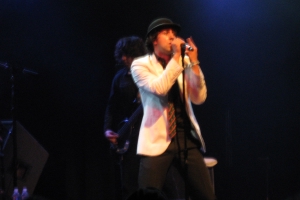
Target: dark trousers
(129,170)
(129,166)
(153,169)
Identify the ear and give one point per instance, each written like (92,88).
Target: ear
(155,42)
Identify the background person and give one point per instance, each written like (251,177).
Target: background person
(122,102)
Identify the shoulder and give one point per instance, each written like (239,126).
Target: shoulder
(120,73)
(142,59)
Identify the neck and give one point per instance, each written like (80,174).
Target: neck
(164,56)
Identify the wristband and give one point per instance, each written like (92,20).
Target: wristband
(193,63)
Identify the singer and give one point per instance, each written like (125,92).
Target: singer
(169,132)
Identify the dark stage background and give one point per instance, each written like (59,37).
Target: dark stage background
(249,53)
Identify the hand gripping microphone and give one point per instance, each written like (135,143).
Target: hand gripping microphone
(186,46)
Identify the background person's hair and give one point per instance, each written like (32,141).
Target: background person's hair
(131,46)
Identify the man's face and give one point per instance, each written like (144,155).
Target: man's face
(163,42)
(127,60)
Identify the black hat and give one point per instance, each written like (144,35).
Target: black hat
(162,22)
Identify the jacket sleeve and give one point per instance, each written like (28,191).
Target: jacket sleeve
(151,77)
(110,112)
(196,86)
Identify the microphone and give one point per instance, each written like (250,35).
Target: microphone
(186,46)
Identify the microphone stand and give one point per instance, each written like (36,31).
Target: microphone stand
(185,151)
(14,131)
(13,71)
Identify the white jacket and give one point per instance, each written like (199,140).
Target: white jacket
(154,84)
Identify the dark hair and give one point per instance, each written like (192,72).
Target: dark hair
(152,37)
(149,41)
(131,46)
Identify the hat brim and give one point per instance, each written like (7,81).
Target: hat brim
(164,25)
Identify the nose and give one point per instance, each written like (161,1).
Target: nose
(172,35)
(123,58)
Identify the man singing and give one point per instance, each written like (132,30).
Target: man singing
(169,132)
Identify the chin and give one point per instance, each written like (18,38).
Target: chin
(169,52)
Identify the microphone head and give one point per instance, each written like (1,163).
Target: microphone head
(186,46)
